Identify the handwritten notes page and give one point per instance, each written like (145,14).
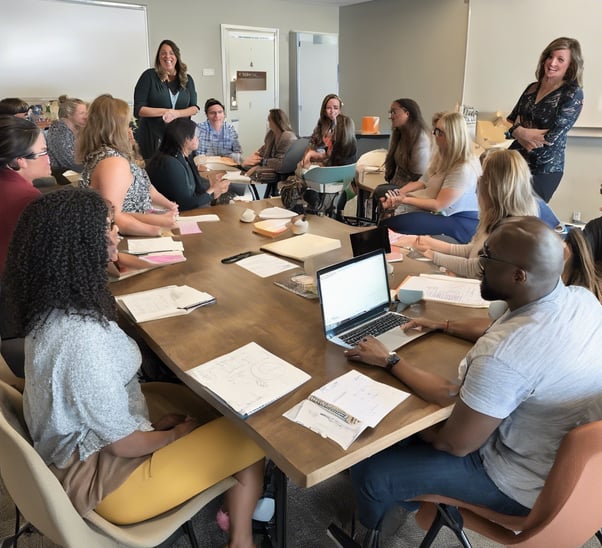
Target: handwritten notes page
(249,378)
(447,289)
(342,409)
(163,302)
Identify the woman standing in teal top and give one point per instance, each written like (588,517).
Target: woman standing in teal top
(162,94)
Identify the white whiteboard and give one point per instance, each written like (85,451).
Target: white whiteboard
(506,38)
(82,49)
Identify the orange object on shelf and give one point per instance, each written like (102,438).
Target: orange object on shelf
(370,125)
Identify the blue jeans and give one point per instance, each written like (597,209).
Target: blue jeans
(460,226)
(412,468)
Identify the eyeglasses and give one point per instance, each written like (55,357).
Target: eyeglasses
(35,155)
(438,132)
(485,255)
(395,111)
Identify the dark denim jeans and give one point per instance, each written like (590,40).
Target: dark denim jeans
(412,468)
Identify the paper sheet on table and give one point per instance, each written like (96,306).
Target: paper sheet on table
(447,289)
(211,217)
(249,378)
(189,227)
(265,265)
(153,245)
(359,401)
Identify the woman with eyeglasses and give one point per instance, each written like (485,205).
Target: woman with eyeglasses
(409,148)
(106,150)
(87,414)
(333,141)
(444,200)
(23,158)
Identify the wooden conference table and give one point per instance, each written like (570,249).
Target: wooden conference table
(250,308)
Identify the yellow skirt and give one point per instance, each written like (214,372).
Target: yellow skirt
(179,471)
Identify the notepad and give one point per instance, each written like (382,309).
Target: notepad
(249,378)
(447,289)
(342,409)
(271,227)
(302,247)
(163,302)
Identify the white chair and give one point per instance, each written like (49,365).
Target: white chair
(41,499)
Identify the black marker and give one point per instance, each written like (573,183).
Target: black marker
(238,257)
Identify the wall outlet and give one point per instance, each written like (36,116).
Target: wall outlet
(576,216)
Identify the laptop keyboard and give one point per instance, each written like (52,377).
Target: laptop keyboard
(376,327)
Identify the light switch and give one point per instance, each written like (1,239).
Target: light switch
(208,72)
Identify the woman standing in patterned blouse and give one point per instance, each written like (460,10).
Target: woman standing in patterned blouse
(546,111)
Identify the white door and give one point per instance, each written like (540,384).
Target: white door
(316,70)
(251,82)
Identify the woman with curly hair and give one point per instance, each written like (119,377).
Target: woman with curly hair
(444,200)
(83,405)
(162,94)
(332,142)
(105,147)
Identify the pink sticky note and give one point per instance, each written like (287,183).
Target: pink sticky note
(189,227)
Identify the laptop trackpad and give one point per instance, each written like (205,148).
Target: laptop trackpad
(396,338)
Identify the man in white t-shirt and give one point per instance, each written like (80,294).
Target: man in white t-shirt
(534,375)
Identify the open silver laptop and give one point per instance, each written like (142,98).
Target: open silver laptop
(355,299)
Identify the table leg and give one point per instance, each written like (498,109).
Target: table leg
(281,502)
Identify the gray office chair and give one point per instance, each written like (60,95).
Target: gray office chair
(40,498)
(289,163)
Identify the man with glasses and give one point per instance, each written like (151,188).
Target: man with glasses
(532,377)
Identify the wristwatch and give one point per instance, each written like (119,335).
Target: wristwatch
(392,359)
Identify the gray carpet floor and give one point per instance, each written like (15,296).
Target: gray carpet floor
(310,511)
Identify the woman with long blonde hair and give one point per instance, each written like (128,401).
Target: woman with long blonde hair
(504,190)
(105,147)
(447,189)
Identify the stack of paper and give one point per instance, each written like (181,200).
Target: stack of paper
(342,409)
(249,378)
(163,302)
(153,245)
(447,289)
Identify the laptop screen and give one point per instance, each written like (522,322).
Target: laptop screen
(369,240)
(353,288)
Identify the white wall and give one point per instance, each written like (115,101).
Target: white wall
(194,25)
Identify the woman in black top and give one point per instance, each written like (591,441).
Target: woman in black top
(173,172)
(162,94)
